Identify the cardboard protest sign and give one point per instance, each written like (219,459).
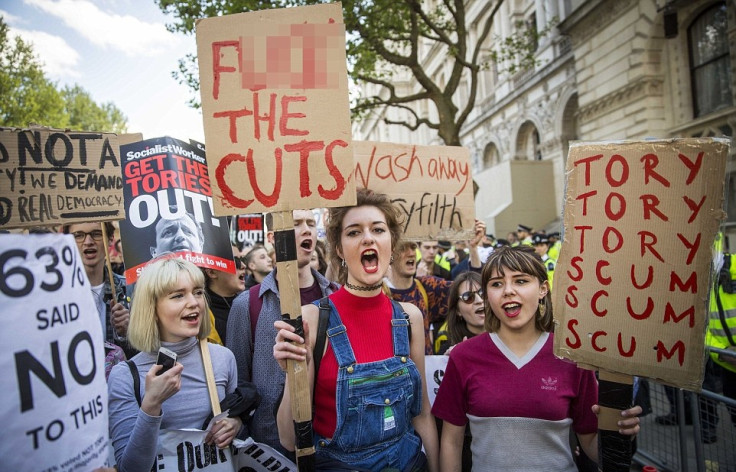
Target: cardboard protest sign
(632,281)
(276,112)
(432,185)
(166,186)
(248,230)
(50,177)
(186,450)
(54,397)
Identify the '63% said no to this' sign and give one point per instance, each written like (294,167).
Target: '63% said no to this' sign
(18,281)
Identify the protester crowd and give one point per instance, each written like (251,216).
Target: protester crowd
(387,303)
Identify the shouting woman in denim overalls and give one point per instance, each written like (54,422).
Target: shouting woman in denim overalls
(371,410)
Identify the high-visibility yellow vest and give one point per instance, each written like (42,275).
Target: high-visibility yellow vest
(554,250)
(722,319)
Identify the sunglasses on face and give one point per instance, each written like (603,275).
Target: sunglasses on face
(469,296)
(80,236)
(239,262)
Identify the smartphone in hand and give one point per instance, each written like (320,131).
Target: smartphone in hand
(166,358)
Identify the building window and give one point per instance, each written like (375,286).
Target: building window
(710,64)
(491,157)
(531,26)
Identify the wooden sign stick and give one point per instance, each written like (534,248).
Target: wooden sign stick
(615,394)
(107,262)
(287,276)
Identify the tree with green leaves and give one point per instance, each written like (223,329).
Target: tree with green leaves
(387,39)
(27,96)
(86,115)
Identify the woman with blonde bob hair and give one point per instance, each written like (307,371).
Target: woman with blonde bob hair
(143,331)
(508,384)
(169,310)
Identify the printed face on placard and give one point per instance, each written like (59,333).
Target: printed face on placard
(513,298)
(365,244)
(178,234)
(180,311)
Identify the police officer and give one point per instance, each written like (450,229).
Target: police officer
(722,327)
(541,246)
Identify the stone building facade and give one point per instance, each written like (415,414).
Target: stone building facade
(607,69)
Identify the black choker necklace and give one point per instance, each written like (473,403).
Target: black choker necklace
(364,288)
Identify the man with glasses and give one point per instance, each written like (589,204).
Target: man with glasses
(114,314)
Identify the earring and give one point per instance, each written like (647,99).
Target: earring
(392,259)
(342,262)
(542,307)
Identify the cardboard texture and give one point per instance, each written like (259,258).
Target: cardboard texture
(51,177)
(129,138)
(432,185)
(633,278)
(276,112)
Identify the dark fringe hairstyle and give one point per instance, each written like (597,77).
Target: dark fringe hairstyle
(522,259)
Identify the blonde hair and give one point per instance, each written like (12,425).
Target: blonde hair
(158,279)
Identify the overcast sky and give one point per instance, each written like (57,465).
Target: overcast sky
(119,51)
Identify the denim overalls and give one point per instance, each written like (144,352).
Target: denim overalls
(375,402)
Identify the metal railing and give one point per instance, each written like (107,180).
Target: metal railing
(703,439)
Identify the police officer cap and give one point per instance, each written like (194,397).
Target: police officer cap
(539,238)
(523,228)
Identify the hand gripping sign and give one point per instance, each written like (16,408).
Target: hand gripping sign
(632,281)
(277,125)
(54,400)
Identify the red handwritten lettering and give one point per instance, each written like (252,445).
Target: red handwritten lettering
(644,314)
(694,207)
(693,167)
(594,303)
(647,242)
(571,327)
(594,341)
(671,315)
(632,346)
(587,161)
(692,247)
(575,264)
(678,348)
(570,298)
(617,182)
(599,272)
(610,213)
(650,163)
(691,284)
(647,282)
(584,198)
(608,246)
